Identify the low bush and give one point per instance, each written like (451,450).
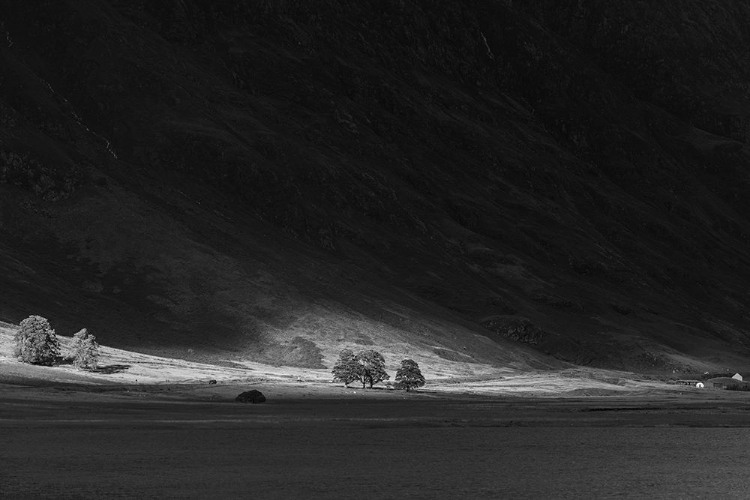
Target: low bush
(738,387)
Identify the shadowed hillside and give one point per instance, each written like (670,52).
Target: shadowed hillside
(485,182)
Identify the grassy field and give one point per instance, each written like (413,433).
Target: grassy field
(152,427)
(444,376)
(309,441)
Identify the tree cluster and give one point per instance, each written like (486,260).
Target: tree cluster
(36,343)
(368,367)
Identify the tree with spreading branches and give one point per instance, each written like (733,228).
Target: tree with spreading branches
(371,367)
(346,369)
(409,376)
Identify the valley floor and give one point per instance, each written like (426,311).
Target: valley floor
(149,427)
(194,441)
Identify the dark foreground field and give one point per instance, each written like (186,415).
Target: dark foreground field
(183,442)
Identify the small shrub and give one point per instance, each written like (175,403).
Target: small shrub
(738,387)
(409,376)
(36,342)
(85,350)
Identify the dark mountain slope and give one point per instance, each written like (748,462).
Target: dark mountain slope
(273,179)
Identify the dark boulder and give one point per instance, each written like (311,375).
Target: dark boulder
(212,382)
(253,397)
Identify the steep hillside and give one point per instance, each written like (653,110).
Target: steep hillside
(489,181)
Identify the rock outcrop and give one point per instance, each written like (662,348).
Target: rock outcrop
(252,396)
